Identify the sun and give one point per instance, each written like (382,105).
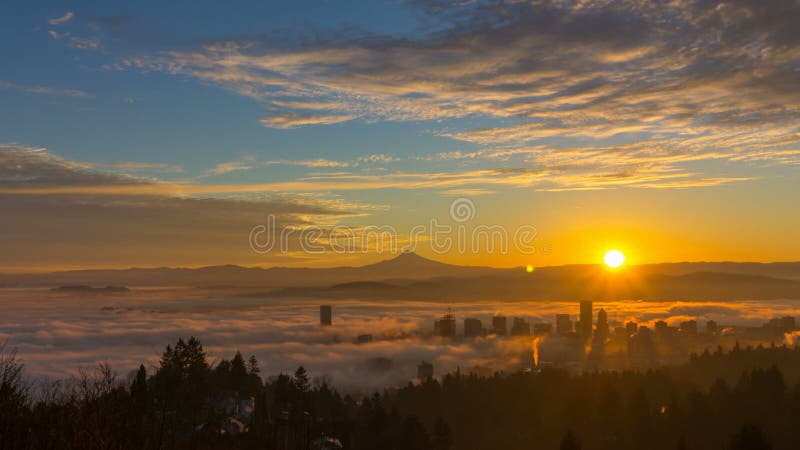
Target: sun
(614,258)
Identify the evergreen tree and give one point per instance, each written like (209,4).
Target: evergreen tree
(570,442)
(750,437)
(442,435)
(301,379)
(252,365)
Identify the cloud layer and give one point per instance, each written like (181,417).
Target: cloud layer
(128,330)
(644,86)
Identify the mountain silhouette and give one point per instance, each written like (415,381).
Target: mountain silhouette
(409,275)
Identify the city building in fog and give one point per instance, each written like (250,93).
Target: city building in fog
(689,327)
(520,327)
(585,323)
(424,370)
(711,327)
(602,323)
(542,329)
(325,315)
(364,338)
(563,324)
(782,324)
(500,325)
(473,328)
(660,325)
(446,326)
(631,327)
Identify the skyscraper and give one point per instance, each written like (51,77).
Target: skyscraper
(520,327)
(586,320)
(472,328)
(602,323)
(446,326)
(500,325)
(325,315)
(563,324)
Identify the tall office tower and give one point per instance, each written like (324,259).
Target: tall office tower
(586,320)
(520,327)
(446,326)
(563,324)
(631,327)
(689,327)
(473,328)
(500,325)
(602,322)
(325,314)
(711,327)
(542,329)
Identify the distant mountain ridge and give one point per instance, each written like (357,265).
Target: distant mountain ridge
(412,276)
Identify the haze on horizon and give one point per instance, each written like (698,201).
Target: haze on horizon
(151,135)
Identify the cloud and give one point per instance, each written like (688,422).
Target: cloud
(228,167)
(69,15)
(693,79)
(313,163)
(128,330)
(289,121)
(59,212)
(43,90)
(83,43)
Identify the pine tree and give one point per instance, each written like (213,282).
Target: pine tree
(252,365)
(750,437)
(301,379)
(570,442)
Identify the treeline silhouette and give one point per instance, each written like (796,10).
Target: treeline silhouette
(738,400)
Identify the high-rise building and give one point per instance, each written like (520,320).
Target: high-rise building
(520,327)
(563,324)
(446,326)
(711,327)
(661,326)
(586,320)
(500,325)
(602,323)
(472,328)
(631,327)
(325,315)
(424,370)
(689,327)
(542,329)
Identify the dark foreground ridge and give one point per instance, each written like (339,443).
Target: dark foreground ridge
(744,399)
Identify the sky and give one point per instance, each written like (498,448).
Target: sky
(152,134)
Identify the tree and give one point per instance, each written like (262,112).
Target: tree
(442,435)
(301,379)
(570,442)
(139,389)
(750,437)
(252,365)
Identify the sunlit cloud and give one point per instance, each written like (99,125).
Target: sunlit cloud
(43,90)
(69,15)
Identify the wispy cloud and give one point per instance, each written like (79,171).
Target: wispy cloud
(703,77)
(83,43)
(313,163)
(69,15)
(43,90)
(228,167)
(288,121)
